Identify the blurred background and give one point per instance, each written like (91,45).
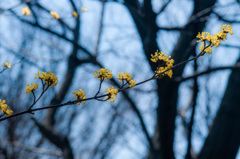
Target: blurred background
(195,114)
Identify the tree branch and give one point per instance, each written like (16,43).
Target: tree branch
(196,74)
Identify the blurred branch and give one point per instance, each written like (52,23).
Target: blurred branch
(172,28)
(164,7)
(194,104)
(73,5)
(220,17)
(31,149)
(100,29)
(15,5)
(196,74)
(59,140)
(230,46)
(104,140)
(61,22)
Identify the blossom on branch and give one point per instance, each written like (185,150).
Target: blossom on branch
(209,40)
(7,65)
(103,73)
(165,63)
(30,89)
(127,77)
(80,95)
(5,108)
(50,78)
(112,94)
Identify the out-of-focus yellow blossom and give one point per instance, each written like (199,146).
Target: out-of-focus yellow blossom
(84,9)
(26,11)
(30,89)
(50,78)
(7,64)
(80,95)
(5,108)
(215,39)
(54,15)
(165,63)
(127,77)
(103,73)
(112,94)
(75,14)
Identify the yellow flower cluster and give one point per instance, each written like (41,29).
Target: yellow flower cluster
(215,39)
(30,89)
(50,78)
(127,77)
(26,11)
(165,63)
(7,64)
(103,73)
(54,15)
(112,94)
(80,95)
(5,108)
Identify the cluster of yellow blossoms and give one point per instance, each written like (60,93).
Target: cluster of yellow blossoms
(127,77)
(80,95)
(215,39)
(7,65)
(103,73)
(50,78)
(30,89)
(26,12)
(5,108)
(112,94)
(165,63)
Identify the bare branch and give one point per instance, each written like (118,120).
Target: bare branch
(31,149)
(196,74)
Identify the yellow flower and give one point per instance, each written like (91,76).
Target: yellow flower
(26,11)
(103,73)
(9,112)
(165,63)
(50,78)
(215,39)
(54,15)
(127,77)
(226,29)
(84,9)
(112,94)
(75,14)
(132,83)
(30,89)
(5,108)
(80,95)
(7,65)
